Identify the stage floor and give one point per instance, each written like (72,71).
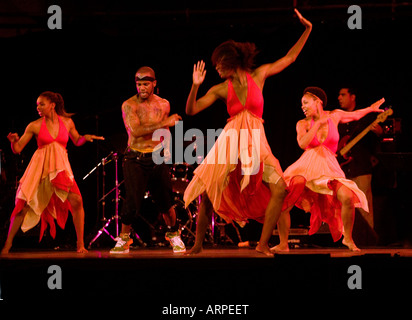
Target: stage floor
(156,280)
(209,253)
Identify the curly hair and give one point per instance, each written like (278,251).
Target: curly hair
(231,55)
(58,100)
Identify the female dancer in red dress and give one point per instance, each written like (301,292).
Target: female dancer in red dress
(316,183)
(47,189)
(236,191)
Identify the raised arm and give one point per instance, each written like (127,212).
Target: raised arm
(17,143)
(270,69)
(345,116)
(194,106)
(79,140)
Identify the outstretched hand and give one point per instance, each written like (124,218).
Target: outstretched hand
(171,120)
(91,137)
(375,106)
(199,73)
(303,21)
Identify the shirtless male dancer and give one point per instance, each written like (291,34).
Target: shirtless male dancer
(143,114)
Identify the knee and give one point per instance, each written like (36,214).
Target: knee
(279,190)
(23,212)
(348,201)
(76,202)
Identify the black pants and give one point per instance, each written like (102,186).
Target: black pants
(141,174)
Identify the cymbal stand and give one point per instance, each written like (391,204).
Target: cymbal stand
(114,218)
(102,163)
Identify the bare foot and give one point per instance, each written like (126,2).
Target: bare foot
(194,250)
(279,248)
(81,249)
(6,248)
(264,249)
(351,245)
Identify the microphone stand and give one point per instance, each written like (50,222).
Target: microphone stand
(115,217)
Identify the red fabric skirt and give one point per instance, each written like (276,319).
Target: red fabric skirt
(56,208)
(44,188)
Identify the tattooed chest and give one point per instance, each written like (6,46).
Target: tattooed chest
(151,115)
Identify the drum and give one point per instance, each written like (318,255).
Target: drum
(181,174)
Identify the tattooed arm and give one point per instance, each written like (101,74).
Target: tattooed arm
(137,129)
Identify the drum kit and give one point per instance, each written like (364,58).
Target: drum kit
(180,175)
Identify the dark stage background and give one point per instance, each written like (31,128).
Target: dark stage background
(92,60)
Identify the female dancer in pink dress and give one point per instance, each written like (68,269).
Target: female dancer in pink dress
(47,189)
(316,183)
(236,191)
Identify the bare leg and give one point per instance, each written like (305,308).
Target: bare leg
(15,225)
(76,204)
(364,183)
(283,229)
(296,187)
(203,221)
(345,196)
(272,214)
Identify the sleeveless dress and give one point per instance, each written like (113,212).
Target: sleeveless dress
(233,170)
(319,166)
(46,183)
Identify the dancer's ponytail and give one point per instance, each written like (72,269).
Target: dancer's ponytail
(58,100)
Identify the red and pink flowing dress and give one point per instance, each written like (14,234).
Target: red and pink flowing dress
(233,171)
(46,183)
(323,175)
